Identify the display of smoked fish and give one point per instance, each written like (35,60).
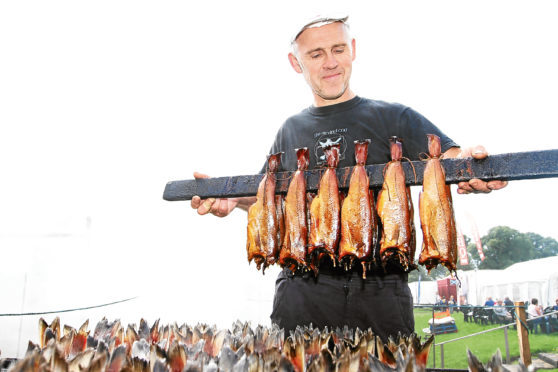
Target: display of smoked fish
(436,213)
(395,209)
(358,219)
(293,249)
(265,219)
(206,348)
(325,213)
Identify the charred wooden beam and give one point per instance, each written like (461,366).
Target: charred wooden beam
(511,166)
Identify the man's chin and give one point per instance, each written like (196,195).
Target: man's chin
(330,97)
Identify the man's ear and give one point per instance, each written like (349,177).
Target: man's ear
(353,44)
(294,63)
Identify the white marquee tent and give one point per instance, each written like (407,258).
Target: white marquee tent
(520,282)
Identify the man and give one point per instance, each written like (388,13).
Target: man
(501,314)
(323,53)
(509,307)
(489,302)
(508,303)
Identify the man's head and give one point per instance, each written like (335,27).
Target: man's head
(323,51)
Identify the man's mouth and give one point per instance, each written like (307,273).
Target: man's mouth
(331,76)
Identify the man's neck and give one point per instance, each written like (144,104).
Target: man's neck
(346,96)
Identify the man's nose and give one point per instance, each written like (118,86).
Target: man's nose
(331,61)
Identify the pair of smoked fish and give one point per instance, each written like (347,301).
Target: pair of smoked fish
(300,230)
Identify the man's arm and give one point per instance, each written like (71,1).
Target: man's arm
(219,207)
(474,185)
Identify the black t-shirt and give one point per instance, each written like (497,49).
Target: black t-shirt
(356,119)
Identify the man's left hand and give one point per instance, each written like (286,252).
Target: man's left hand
(474,185)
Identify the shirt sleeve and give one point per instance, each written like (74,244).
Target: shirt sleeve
(413,130)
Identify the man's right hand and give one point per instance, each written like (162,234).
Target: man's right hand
(216,206)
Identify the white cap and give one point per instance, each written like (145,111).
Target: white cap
(319,21)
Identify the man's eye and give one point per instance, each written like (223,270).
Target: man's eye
(338,51)
(315,55)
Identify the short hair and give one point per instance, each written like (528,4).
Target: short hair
(346,28)
(534,301)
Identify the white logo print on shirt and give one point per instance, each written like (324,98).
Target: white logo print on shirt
(328,140)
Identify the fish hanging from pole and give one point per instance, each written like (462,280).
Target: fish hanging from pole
(325,213)
(358,216)
(395,208)
(293,249)
(437,219)
(265,219)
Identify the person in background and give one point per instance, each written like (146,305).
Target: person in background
(534,311)
(510,307)
(508,303)
(489,302)
(553,319)
(451,303)
(443,304)
(501,314)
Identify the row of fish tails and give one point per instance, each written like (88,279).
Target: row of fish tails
(299,231)
(204,348)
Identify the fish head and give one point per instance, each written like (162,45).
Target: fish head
(361,151)
(302,158)
(434,146)
(332,155)
(273,162)
(396,148)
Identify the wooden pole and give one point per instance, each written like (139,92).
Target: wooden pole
(522,333)
(507,345)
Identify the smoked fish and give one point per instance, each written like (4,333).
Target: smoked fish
(436,213)
(265,219)
(395,209)
(293,249)
(358,219)
(325,212)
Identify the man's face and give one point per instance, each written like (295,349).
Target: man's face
(324,55)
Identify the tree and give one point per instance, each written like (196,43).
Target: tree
(504,246)
(436,273)
(543,247)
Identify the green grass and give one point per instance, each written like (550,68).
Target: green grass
(483,345)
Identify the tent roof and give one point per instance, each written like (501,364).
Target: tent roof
(546,265)
(533,270)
